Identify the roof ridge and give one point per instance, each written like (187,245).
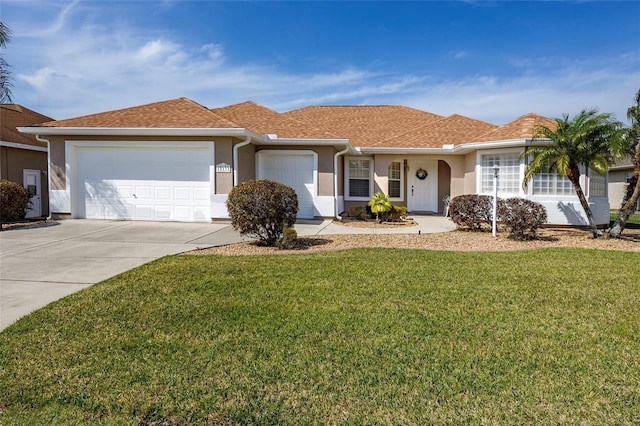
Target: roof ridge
(165,113)
(512,123)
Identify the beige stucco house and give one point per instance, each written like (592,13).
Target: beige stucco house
(178,160)
(23,158)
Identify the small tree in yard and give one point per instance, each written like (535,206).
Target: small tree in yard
(379,203)
(14,201)
(632,193)
(262,209)
(588,139)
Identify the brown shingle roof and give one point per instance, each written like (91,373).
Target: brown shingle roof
(263,120)
(520,128)
(175,113)
(455,129)
(365,126)
(12,116)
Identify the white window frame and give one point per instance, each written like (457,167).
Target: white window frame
(479,170)
(401,180)
(347,178)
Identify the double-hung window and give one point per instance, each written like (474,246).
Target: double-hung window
(394,180)
(359,178)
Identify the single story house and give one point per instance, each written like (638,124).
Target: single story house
(23,158)
(178,160)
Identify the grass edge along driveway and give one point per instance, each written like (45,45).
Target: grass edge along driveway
(363,336)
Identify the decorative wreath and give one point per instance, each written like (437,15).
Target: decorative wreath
(421,174)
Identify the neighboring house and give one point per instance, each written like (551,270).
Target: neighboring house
(619,176)
(23,159)
(177,160)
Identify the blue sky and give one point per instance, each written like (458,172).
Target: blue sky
(492,61)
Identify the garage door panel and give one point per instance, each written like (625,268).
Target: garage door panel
(144,184)
(125,191)
(182,212)
(163,212)
(182,193)
(162,193)
(144,211)
(295,171)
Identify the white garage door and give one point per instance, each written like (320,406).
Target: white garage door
(292,169)
(139,183)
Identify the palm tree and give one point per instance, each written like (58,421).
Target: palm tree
(632,193)
(584,140)
(379,203)
(5,76)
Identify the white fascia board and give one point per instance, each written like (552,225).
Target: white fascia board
(457,149)
(406,151)
(322,142)
(621,167)
(474,146)
(138,131)
(23,146)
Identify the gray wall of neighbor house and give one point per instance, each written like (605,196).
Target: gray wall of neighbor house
(618,180)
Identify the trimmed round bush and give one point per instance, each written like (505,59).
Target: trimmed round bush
(522,217)
(262,209)
(472,211)
(14,201)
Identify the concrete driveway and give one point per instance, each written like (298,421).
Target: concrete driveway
(43,264)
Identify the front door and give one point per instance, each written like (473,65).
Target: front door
(422,191)
(31,180)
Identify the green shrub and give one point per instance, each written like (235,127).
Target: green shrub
(472,211)
(522,217)
(262,208)
(358,213)
(395,214)
(14,201)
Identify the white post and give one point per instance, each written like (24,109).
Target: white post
(494,228)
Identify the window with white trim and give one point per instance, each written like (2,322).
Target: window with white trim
(549,182)
(359,178)
(394,180)
(597,184)
(508,176)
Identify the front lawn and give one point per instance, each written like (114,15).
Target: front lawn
(366,336)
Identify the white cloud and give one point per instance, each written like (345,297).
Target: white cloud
(40,79)
(499,100)
(155,48)
(77,67)
(458,54)
(214,51)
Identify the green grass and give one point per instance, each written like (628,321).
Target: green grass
(632,223)
(360,337)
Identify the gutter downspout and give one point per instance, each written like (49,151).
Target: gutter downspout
(48,142)
(247,141)
(335,180)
